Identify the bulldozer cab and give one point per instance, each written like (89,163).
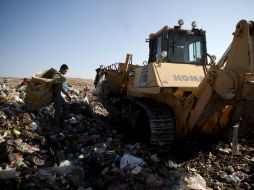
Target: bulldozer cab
(181,54)
(181,46)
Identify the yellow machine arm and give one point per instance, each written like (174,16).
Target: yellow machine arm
(228,87)
(125,70)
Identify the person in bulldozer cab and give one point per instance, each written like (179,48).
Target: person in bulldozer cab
(60,105)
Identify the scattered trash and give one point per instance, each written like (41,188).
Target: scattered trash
(34,136)
(87,153)
(136,170)
(34,126)
(73,172)
(131,161)
(237,177)
(155,158)
(225,150)
(22,147)
(195,182)
(9,174)
(170,164)
(100,148)
(182,179)
(15,132)
(46,174)
(73,120)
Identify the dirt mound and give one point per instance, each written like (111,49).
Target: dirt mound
(80,82)
(76,82)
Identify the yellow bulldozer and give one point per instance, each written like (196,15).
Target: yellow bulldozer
(181,89)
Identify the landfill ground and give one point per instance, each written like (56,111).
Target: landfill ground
(88,153)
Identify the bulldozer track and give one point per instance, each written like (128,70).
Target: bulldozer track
(161,122)
(158,118)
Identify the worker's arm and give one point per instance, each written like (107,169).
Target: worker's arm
(66,93)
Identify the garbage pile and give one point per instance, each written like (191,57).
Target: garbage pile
(88,154)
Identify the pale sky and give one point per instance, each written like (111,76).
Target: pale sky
(36,35)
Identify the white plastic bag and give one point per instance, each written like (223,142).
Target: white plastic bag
(131,160)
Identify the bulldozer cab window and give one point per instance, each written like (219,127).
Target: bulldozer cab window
(195,51)
(159,48)
(185,48)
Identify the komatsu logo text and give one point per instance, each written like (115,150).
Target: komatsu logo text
(188,78)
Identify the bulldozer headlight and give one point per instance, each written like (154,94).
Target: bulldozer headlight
(164,54)
(194,24)
(180,22)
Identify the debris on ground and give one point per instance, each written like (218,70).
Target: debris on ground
(88,153)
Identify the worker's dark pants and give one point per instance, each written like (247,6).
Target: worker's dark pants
(61,111)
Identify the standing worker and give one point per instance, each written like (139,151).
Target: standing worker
(61,107)
(85,93)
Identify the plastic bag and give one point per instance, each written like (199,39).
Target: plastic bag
(131,160)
